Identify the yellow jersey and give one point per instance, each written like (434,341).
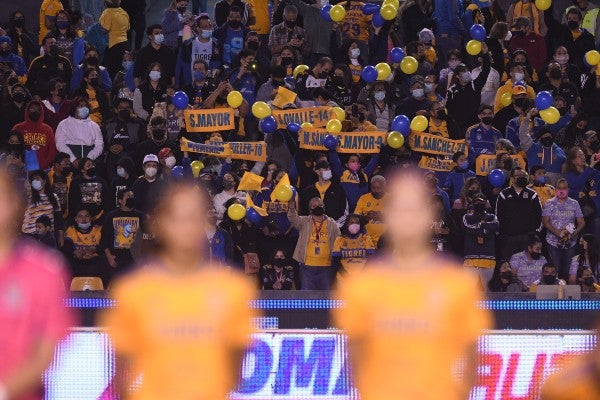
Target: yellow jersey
(95,114)
(259,9)
(49,8)
(355,25)
(116,22)
(400,328)
(356,71)
(353,254)
(317,250)
(545,192)
(322,189)
(372,208)
(180,330)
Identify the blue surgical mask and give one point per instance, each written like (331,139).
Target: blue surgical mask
(463,165)
(121,172)
(127,65)
(36,185)
(379,95)
(154,75)
(428,87)
(206,33)
(83,112)
(199,76)
(84,227)
(159,38)
(418,93)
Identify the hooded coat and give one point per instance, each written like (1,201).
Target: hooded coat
(38,133)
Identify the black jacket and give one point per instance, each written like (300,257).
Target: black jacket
(44,68)
(518,214)
(335,200)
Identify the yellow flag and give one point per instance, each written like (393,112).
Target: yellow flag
(261,211)
(285,180)
(250,181)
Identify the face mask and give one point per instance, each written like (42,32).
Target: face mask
(92,61)
(521,181)
(519,76)
(53,50)
(441,114)
(83,113)
(130,202)
(354,53)
(535,255)
(206,33)
(453,64)
(589,281)
(506,275)
(159,38)
(34,115)
(326,174)
(181,9)
(549,279)
(91,172)
(465,76)
(541,181)
(573,25)
(508,36)
(154,75)
(479,208)
(323,75)
(562,110)
(14,148)
(151,172)
(235,24)
(124,114)
(279,262)
(354,166)
(463,165)
(353,229)
(62,24)
(199,76)
(158,134)
(318,211)
(562,193)
(546,141)
(508,164)
(253,45)
(170,161)
(4,53)
(62,92)
(555,73)
(338,80)
(472,193)
(127,65)
(520,33)
(377,196)
(418,93)
(36,185)
(379,96)
(290,24)
(561,59)
(84,227)
(287,60)
(487,120)
(121,172)
(19,22)
(94,82)
(428,87)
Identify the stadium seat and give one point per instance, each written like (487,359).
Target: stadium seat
(86,283)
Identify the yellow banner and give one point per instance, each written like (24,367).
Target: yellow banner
(251,151)
(436,164)
(219,119)
(318,116)
(484,163)
(433,144)
(350,142)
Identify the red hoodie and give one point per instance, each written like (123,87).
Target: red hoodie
(40,134)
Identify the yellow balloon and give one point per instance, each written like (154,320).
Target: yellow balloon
(306,126)
(337,13)
(473,47)
(261,110)
(340,114)
(236,212)
(300,69)
(388,12)
(550,115)
(234,99)
(196,166)
(506,99)
(419,123)
(284,193)
(334,126)
(543,5)
(409,65)
(395,3)
(395,140)
(592,57)
(383,71)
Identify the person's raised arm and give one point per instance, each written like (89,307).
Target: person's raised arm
(524,130)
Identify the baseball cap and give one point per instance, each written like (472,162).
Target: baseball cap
(416,79)
(150,158)
(519,88)
(164,153)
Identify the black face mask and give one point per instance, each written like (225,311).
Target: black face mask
(535,255)
(520,102)
(14,148)
(506,275)
(573,25)
(441,114)
(377,196)
(479,208)
(562,110)
(589,281)
(508,164)
(318,211)
(130,202)
(361,117)
(92,61)
(62,92)
(595,145)
(235,24)
(290,24)
(4,53)
(19,22)
(323,75)
(338,80)
(18,97)
(472,193)
(67,170)
(34,115)
(91,172)
(521,181)
(228,185)
(53,50)
(549,279)
(124,114)
(94,82)
(555,73)
(287,60)
(253,45)
(279,262)
(546,141)
(487,120)
(519,33)
(181,9)
(158,134)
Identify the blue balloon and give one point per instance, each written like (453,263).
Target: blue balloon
(177,171)
(401,123)
(181,100)
(325,13)
(369,74)
(496,178)
(253,215)
(397,54)
(330,142)
(477,32)
(268,124)
(370,9)
(378,20)
(543,100)
(293,127)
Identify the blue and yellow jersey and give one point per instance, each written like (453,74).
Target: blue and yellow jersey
(85,241)
(355,24)
(355,70)
(353,253)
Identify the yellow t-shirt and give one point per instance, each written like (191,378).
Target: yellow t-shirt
(259,9)
(116,22)
(49,8)
(181,330)
(355,70)
(355,24)
(322,189)
(353,253)
(402,326)
(545,192)
(374,226)
(95,114)
(317,250)
(85,241)
(441,130)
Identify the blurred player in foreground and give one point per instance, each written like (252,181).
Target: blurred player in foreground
(33,316)
(411,319)
(180,322)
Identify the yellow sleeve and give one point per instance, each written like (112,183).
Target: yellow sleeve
(474,318)
(530,92)
(104,21)
(497,103)
(352,317)
(241,316)
(360,206)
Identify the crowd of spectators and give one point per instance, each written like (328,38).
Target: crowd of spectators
(89,131)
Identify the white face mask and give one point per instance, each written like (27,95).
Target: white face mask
(326,175)
(154,75)
(562,59)
(465,76)
(151,172)
(428,87)
(519,76)
(121,172)
(170,161)
(418,93)
(354,53)
(84,227)
(159,38)
(508,36)
(379,96)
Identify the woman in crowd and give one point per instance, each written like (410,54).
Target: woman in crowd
(244,234)
(68,39)
(82,243)
(588,257)
(173,20)
(505,280)
(78,135)
(586,280)
(24,42)
(279,274)
(584,181)
(150,92)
